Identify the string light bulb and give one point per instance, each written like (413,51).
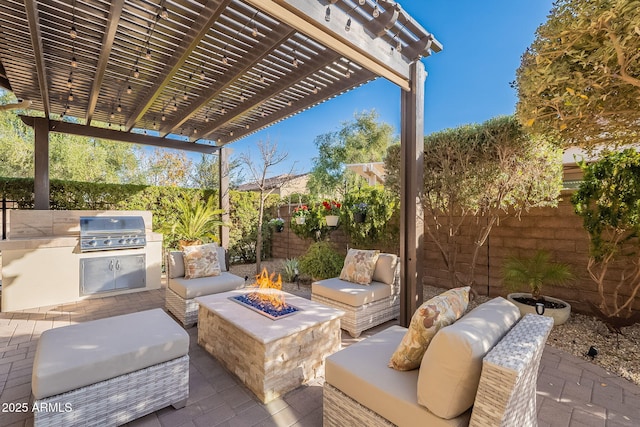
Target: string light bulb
(246,126)
(225,60)
(315,90)
(136,73)
(399,46)
(164,13)
(155,125)
(376,11)
(112,116)
(289,103)
(348,73)
(295,62)
(261,78)
(362,2)
(202,74)
(74,62)
(164,118)
(129,90)
(67,108)
(262,113)
(254,32)
(175,106)
(119,108)
(185,96)
(347,27)
(195,131)
(231,133)
(327,14)
(73,32)
(206,119)
(70,82)
(223,111)
(70,98)
(148,54)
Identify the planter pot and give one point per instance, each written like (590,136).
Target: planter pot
(359,218)
(332,220)
(300,220)
(279,228)
(183,243)
(559,315)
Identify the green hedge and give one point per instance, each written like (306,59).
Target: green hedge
(71,195)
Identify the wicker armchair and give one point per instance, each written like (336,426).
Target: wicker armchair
(365,306)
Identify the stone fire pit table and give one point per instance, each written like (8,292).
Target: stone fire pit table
(271,357)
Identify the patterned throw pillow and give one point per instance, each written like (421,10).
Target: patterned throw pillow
(359,265)
(440,311)
(201,261)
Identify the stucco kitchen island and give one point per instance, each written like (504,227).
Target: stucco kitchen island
(42,263)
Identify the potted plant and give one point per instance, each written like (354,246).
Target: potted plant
(197,221)
(359,212)
(331,212)
(300,214)
(277,224)
(533,273)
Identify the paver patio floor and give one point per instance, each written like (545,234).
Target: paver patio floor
(571,391)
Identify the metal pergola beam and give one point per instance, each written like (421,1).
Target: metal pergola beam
(103,59)
(304,71)
(308,17)
(114,135)
(235,73)
(31,9)
(209,15)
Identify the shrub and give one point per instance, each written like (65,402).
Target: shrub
(290,269)
(321,261)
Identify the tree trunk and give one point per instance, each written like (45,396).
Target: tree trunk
(259,236)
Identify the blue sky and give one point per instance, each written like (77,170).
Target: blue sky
(468,81)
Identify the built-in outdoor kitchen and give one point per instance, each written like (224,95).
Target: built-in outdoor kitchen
(56,257)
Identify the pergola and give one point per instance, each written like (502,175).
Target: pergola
(199,74)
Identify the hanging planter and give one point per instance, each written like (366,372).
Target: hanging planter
(279,228)
(300,220)
(359,217)
(332,220)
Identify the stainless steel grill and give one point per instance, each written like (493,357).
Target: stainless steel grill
(104,233)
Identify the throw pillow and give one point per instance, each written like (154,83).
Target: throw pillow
(431,316)
(201,261)
(451,366)
(359,265)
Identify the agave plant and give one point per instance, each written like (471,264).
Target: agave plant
(534,272)
(197,221)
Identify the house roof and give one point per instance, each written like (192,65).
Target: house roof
(270,183)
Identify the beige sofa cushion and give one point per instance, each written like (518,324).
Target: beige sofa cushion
(385,269)
(75,356)
(349,293)
(429,318)
(191,288)
(359,265)
(360,372)
(451,366)
(175,259)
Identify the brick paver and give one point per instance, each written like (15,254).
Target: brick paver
(571,391)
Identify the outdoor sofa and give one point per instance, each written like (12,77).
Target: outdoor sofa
(479,371)
(181,292)
(365,306)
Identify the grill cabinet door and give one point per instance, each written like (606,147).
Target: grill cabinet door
(97,275)
(130,271)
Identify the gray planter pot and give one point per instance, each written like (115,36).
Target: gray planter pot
(559,315)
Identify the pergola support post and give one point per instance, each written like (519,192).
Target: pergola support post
(223,194)
(411,183)
(41,164)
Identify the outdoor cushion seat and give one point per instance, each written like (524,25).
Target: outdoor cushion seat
(192,288)
(362,374)
(351,293)
(112,370)
(181,292)
(365,306)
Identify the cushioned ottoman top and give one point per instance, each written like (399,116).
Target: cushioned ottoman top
(192,288)
(75,356)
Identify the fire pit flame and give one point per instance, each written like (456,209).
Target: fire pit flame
(265,300)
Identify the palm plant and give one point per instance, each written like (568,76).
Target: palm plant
(534,272)
(197,221)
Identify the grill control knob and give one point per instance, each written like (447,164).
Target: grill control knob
(121,241)
(92,243)
(134,241)
(127,241)
(107,242)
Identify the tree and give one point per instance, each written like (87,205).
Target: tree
(166,168)
(258,174)
(580,79)
(608,200)
(206,175)
(361,140)
(493,170)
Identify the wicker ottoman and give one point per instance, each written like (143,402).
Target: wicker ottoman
(110,371)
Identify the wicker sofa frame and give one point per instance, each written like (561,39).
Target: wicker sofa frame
(118,400)
(366,316)
(506,394)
